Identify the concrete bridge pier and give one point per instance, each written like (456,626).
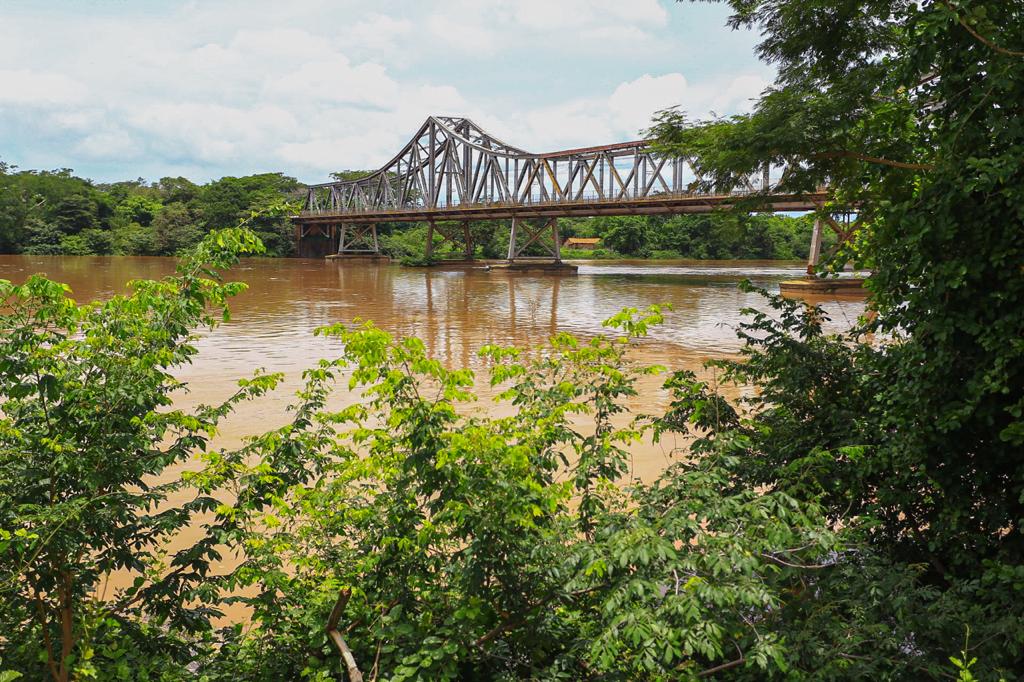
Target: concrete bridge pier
(467,237)
(814,254)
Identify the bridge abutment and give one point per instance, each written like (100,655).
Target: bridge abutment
(313,240)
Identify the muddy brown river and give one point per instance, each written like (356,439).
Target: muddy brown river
(455,313)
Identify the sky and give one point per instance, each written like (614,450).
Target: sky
(120,89)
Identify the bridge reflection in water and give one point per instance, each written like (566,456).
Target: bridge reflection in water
(454,171)
(454,312)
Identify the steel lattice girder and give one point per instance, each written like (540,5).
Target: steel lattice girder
(451,166)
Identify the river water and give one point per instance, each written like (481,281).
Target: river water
(454,312)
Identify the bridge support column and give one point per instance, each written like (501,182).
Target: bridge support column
(357,240)
(430,239)
(467,237)
(812,284)
(512,240)
(557,240)
(535,236)
(815,252)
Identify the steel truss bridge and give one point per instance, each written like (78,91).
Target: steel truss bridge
(453,170)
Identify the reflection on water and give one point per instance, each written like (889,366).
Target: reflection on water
(453,312)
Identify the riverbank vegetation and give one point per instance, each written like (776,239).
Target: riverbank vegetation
(397,538)
(857,516)
(712,236)
(58,213)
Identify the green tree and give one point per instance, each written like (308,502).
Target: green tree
(134,240)
(628,236)
(138,209)
(348,175)
(42,238)
(176,190)
(908,111)
(175,228)
(454,546)
(86,423)
(230,199)
(75,213)
(14,211)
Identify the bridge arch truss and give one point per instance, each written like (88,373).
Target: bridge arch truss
(452,169)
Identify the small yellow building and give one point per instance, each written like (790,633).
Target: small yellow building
(582,243)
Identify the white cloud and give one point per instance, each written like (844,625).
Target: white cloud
(376,33)
(633,103)
(546,15)
(319,85)
(623,113)
(456,34)
(109,144)
(38,88)
(335,80)
(735,96)
(211,132)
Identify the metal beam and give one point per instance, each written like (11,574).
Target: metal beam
(451,169)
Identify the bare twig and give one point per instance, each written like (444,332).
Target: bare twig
(332,631)
(67,634)
(508,624)
(842,154)
(376,662)
(783,562)
(980,38)
(50,660)
(722,668)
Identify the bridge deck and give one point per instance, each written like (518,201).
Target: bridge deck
(658,204)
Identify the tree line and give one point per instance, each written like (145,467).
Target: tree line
(59,213)
(714,236)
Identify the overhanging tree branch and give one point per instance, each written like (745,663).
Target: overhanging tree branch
(873,159)
(980,38)
(722,668)
(332,631)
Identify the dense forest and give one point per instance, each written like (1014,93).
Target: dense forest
(709,236)
(58,213)
(714,236)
